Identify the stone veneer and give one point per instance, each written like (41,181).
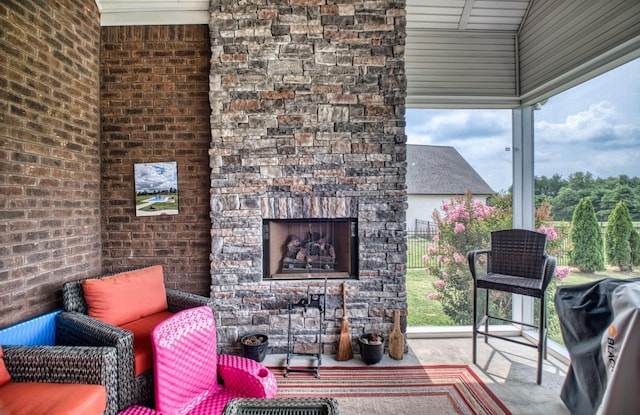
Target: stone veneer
(307,121)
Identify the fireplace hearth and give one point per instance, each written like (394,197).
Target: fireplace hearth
(310,248)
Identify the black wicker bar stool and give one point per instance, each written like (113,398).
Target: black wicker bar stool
(517,264)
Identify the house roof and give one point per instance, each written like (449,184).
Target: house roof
(441,170)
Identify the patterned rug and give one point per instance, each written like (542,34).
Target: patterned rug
(397,390)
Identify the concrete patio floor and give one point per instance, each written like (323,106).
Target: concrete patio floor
(508,369)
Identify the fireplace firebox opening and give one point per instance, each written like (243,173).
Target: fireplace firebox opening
(310,248)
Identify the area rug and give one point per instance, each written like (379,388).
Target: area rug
(396,390)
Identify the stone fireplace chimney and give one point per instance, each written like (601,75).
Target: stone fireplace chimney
(307,122)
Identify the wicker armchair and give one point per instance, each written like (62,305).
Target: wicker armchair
(65,364)
(517,264)
(188,369)
(79,328)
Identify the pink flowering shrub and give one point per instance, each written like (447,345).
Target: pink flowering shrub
(554,246)
(464,225)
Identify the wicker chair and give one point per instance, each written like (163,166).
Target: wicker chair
(36,350)
(187,369)
(79,328)
(65,364)
(517,264)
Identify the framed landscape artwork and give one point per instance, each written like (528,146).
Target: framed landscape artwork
(156,186)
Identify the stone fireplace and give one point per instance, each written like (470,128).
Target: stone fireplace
(307,125)
(310,248)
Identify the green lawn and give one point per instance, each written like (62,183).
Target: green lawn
(576,277)
(422,311)
(425,312)
(158,205)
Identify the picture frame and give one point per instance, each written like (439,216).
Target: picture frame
(156,188)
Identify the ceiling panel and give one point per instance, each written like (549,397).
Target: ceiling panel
(496,15)
(500,15)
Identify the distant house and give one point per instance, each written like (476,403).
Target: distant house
(435,174)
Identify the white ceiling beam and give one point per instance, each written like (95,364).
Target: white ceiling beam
(152,12)
(466,12)
(154,18)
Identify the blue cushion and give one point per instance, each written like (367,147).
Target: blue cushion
(38,331)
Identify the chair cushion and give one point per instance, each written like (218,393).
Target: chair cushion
(29,398)
(5,377)
(127,296)
(508,283)
(142,350)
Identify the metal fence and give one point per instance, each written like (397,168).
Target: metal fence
(420,238)
(417,242)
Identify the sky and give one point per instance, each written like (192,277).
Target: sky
(593,127)
(156,176)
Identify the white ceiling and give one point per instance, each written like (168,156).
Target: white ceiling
(472,15)
(456,49)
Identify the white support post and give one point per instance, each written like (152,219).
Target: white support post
(523,192)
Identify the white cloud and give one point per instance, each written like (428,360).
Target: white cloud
(593,127)
(480,136)
(598,140)
(156,176)
(582,127)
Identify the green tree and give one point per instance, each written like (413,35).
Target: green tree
(548,186)
(586,238)
(500,201)
(635,248)
(615,192)
(618,237)
(581,181)
(605,193)
(565,201)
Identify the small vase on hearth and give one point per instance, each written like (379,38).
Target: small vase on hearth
(371,348)
(254,346)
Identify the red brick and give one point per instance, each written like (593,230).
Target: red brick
(51,102)
(168,121)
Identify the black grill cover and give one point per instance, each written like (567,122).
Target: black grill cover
(586,313)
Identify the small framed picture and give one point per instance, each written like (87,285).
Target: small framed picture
(156,186)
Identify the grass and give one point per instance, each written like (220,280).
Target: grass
(422,311)
(158,205)
(576,277)
(425,312)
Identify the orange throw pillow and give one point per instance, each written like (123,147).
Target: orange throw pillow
(127,296)
(5,377)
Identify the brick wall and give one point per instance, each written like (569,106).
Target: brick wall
(49,152)
(154,107)
(307,122)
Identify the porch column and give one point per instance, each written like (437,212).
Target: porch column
(523,192)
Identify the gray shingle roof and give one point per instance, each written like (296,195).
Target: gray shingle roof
(440,170)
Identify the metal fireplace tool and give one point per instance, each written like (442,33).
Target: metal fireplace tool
(313,301)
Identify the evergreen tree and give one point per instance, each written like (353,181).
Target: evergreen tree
(618,237)
(564,203)
(586,238)
(635,248)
